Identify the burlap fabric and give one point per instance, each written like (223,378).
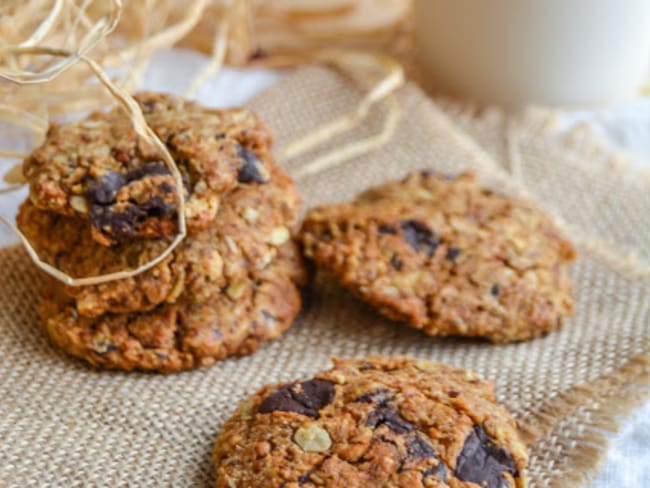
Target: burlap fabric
(64,424)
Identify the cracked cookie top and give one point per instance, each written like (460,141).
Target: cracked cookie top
(447,256)
(373,422)
(98,169)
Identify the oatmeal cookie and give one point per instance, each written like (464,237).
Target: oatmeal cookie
(187,333)
(373,423)
(447,256)
(253,220)
(98,170)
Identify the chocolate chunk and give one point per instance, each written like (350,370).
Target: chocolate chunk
(418,447)
(120,225)
(381,397)
(156,207)
(452,253)
(251,170)
(167,188)
(419,236)
(495,290)
(305,478)
(148,106)
(258,53)
(148,169)
(396,262)
(102,191)
(386,229)
(117,224)
(305,398)
(483,462)
(387,415)
(430,172)
(439,471)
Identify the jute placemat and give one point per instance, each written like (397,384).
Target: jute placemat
(64,424)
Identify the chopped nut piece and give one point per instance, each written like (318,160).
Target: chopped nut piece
(79,203)
(279,235)
(312,438)
(250,215)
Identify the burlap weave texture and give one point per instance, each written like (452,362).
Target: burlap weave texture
(64,424)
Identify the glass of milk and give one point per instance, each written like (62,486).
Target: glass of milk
(519,52)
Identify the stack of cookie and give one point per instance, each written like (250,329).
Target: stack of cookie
(102,201)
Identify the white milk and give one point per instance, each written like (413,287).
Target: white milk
(515,52)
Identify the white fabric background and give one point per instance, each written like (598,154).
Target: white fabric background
(623,126)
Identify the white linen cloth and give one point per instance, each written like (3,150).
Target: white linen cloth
(622,126)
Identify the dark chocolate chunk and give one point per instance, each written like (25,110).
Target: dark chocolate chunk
(167,188)
(117,224)
(386,229)
(430,172)
(250,172)
(495,290)
(305,478)
(305,398)
(148,106)
(483,462)
(452,253)
(418,447)
(258,53)
(102,191)
(120,225)
(387,415)
(438,471)
(148,169)
(419,236)
(396,262)
(156,207)
(453,393)
(381,397)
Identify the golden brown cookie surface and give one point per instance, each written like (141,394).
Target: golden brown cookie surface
(448,257)
(187,333)
(97,169)
(373,422)
(252,221)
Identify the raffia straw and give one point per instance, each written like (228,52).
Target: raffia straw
(100,29)
(132,109)
(393,79)
(219,50)
(167,37)
(46,25)
(17,116)
(354,149)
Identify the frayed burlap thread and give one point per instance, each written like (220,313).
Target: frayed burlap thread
(65,424)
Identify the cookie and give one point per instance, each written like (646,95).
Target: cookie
(187,333)
(448,257)
(253,220)
(98,170)
(373,422)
